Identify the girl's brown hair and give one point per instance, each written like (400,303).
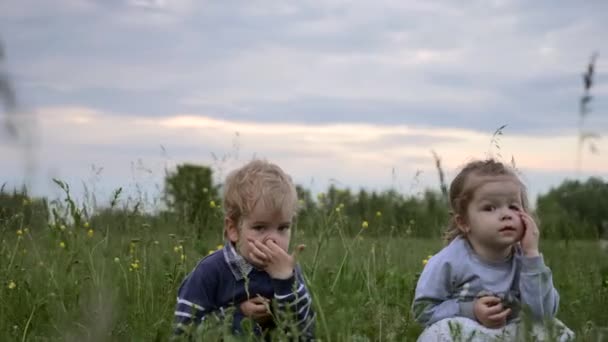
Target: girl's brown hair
(462,191)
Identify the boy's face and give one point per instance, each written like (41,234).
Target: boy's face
(262,225)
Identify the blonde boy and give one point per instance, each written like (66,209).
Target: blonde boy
(254,267)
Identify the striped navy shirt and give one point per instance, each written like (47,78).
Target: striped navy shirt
(219,281)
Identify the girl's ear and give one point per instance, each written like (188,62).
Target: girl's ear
(231,230)
(461,222)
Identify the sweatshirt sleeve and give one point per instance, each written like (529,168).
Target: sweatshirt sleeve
(294,299)
(194,298)
(433,298)
(536,287)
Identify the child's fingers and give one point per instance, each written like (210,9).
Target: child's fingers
(529,221)
(494,309)
(527,216)
(272,245)
(529,225)
(264,248)
(257,261)
(257,252)
(524,221)
(501,316)
(489,300)
(260,308)
(261,314)
(259,300)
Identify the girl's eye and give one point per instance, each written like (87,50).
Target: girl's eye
(488,207)
(258,227)
(283,228)
(515,207)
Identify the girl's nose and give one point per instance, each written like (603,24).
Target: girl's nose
(506,215)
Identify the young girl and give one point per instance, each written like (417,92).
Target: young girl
(475,288)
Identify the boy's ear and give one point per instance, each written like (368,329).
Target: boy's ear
(231,230)
(461,222)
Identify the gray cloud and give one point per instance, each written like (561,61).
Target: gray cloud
(471,65)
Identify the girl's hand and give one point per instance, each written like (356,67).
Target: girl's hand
(529,241)
(490,312)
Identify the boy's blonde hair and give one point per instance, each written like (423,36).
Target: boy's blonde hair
(256,181)
(470,178)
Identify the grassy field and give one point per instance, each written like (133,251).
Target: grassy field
(117,282)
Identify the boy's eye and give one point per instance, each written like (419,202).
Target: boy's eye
(488,207)
(258,227)
(282,228)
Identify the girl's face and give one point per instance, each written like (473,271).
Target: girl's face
(492,220)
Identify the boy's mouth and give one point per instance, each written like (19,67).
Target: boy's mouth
(507,229)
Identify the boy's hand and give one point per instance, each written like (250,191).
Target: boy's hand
(278,263)
(257,309)
(490,312)
(529,241)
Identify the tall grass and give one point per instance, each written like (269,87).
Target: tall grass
(113,277)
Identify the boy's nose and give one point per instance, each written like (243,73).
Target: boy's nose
(267,238)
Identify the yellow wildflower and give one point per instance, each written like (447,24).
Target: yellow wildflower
(364,224)
(183,257)
(26,230)
(218,247)
(426,260)
(378,213)
(86,224)
(26,201)
(90,233)
(11,285)
(210,252)
(116,260)
(62,244)
(212,204)
(62,227)
(19,232)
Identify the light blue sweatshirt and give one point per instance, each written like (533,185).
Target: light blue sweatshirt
(456,276)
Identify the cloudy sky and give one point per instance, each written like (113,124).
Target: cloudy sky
(356,93)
